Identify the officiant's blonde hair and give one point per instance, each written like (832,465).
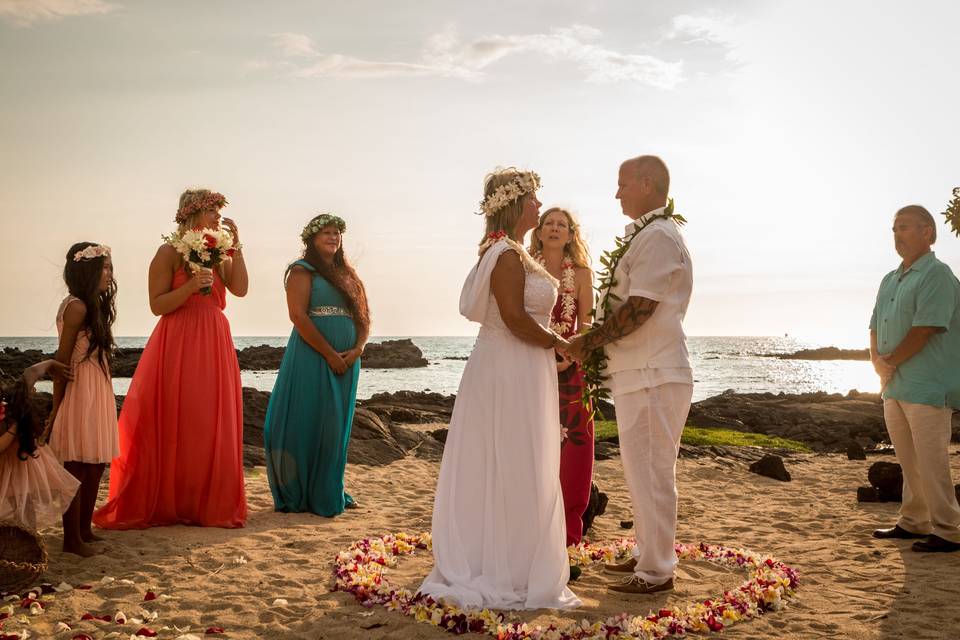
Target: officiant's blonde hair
(576,248)
(506,217)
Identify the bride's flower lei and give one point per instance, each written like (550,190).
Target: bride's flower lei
(594,364)
(952,213)
(568,292)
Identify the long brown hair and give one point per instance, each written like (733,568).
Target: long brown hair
(343,277)
(21,411)
(82,278)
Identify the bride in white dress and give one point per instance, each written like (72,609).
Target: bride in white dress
(499,535)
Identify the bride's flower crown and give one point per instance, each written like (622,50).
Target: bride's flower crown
(91,252)
(525,182)
(199,202)
(321,221)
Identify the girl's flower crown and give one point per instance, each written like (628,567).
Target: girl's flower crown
(91,252)
(198,202)
(525,182)
(321,221)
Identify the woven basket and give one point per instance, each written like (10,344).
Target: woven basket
(23,557)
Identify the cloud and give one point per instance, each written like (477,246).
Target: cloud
(711,28)
(24,13)
(444,55)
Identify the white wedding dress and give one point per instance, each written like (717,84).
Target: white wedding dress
(499,535)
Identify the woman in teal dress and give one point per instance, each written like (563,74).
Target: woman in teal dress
(307,427)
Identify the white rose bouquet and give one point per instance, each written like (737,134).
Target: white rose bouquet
(203,248)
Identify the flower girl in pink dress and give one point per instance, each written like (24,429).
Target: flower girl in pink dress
(34,488)
(84,433)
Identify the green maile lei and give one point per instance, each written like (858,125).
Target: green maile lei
(952,214)
(595,388)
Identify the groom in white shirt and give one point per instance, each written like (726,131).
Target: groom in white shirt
(648,368)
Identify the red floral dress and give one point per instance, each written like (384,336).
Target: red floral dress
(576,452)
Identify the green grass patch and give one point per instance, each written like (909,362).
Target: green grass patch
(707,436)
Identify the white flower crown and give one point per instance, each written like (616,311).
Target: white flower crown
(525,182)
(321,221)
(91,252)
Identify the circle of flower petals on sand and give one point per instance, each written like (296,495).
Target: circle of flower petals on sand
(360,570)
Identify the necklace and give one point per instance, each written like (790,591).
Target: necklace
(568,291)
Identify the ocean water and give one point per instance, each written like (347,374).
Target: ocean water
(719,363)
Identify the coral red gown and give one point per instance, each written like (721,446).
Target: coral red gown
(576,452)
(181,426)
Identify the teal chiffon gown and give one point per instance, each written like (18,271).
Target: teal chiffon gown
(307,427)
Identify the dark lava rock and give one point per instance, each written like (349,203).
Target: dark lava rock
(825,422)
(371,441)
(868,494)
(260,358)
(392,354)
(825,353)
(626,524)
(887,479)
(411,407)
(254,411)
(440,434)
(772,467)
(605,451)
(855,452)
(125,361)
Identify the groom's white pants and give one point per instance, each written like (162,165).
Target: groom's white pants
(650,422)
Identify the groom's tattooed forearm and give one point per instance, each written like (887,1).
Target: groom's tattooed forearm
(625,320)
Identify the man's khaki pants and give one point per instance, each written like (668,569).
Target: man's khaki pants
(650,422)
(920,435)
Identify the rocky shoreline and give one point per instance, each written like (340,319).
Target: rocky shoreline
(823,353)
(384,427)
(389,354)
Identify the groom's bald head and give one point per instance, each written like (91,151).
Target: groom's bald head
(652,168)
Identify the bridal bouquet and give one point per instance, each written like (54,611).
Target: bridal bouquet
(203,248)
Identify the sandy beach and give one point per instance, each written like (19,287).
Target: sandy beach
(852,586)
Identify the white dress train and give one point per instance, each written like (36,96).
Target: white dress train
(499,535)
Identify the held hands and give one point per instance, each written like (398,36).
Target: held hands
(350,355)
(336,362)
(575,349)
(884,369)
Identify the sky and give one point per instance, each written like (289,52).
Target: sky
(793,131)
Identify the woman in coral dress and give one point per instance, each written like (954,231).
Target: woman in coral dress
(181,425)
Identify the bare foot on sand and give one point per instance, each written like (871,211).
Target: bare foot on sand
(90,536)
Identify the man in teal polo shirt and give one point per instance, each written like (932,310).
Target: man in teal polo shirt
(915,348)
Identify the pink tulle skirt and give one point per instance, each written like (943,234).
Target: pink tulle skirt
(34,492)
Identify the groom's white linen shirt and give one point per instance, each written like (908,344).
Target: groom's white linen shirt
(657,266)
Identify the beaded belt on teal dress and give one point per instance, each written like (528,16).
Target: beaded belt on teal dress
(329,310)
